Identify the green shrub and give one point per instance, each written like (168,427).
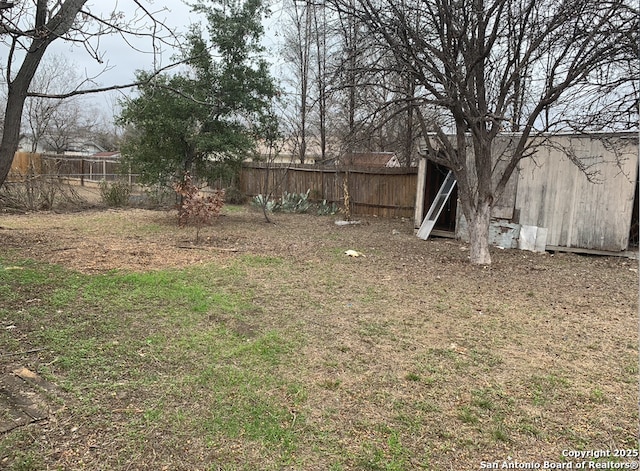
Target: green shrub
(295,202)
(233,195)
(288,203)
(115,194)
(326,209)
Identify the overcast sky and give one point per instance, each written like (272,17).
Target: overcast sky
(120,58)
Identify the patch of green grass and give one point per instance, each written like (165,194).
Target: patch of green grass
(238,405)
(467,415)
(630,371)
(265,351)
(412,377)
(257,261)
(428,406)
(482,399)
(488,405)
(25,462)
(499,433)
(545,388)
(387,455)
(372,295)
(234,208)
(150,337)
(597,396)
(162,292)
(398,453)
(373,328)
(16,459)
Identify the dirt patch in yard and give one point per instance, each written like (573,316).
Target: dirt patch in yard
(412,357)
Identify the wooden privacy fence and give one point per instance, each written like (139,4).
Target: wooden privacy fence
(71,167)
(23,164)
(383,192)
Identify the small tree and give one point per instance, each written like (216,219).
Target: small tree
(269,131)
(200,121)
(196,209)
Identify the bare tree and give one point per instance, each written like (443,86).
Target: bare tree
(53,120)
(307,53)
(387,113)
(321,29)
(297,53)
(106,131)
(31,26)
(71,124)
(346,87)
(500,65)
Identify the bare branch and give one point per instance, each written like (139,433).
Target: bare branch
(149,79)
(31,27)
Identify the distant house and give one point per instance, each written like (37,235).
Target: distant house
(77,147)
(550,201)
(281,158)
(82,148)
(26,142)
(114,155)
(286,155)
(371,159)
(333,155)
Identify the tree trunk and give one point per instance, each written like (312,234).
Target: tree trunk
(479,234)
(17,87)
(10,133)
(305,46)
(408,136)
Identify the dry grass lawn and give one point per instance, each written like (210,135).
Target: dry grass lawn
(265,347)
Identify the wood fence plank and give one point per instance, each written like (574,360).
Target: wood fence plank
(382,192)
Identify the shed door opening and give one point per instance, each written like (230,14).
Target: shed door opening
(435,177)
(634,232)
